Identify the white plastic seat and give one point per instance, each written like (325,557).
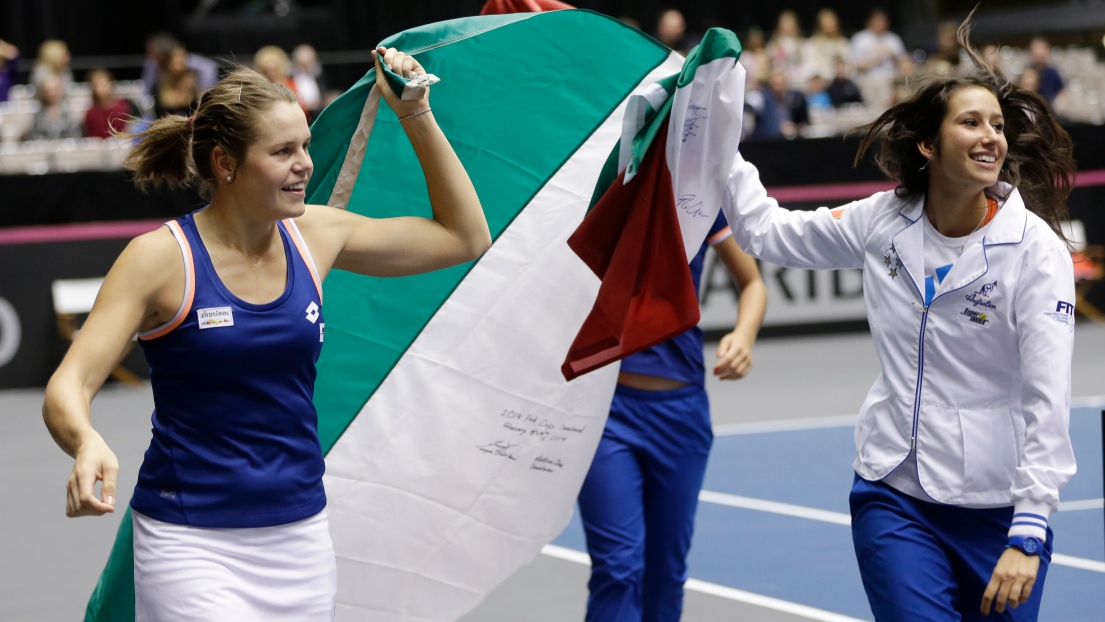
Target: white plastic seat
(30,158)
(73,298)
(86,154)
(17,117)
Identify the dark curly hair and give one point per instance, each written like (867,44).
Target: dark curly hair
(1040,161)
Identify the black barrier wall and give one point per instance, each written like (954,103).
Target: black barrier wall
(30,344)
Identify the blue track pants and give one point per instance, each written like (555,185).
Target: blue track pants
(927,562)
(638,503)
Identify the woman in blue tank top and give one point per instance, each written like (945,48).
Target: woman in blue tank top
(229,518)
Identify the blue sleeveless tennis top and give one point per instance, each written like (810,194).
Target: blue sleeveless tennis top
(235,432)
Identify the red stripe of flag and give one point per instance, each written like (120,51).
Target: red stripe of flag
(632,242)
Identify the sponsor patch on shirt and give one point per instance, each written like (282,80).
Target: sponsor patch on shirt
(1063,314)
(215,317)
(975,316)
(981,298)
(321,331)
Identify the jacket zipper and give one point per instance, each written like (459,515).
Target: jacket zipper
(920,375)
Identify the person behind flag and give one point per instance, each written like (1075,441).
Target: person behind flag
(229,510)
(963,442)
(639,498)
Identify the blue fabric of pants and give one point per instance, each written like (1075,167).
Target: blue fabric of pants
(638,503)
(928,562)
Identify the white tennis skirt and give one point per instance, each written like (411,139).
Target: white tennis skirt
(186,574)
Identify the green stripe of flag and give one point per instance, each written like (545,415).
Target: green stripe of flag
(513,120)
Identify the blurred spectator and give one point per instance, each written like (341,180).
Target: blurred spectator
(779,111)
(671,30)
(990,56)
(907,81)
(108,114)
(8,55)
(757,65)
(273,63)
(177,89)
(944,60)
(1039,55)
(53,59)
(630,21)
(842,90)
(158,46)
(52,121)
(1029,79)
(875,50)
(826,45)
(309,81)
(785,47)
(817,97)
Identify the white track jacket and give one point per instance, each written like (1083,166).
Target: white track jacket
(978,381)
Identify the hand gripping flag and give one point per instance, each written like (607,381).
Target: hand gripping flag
(659,193)
(454,447)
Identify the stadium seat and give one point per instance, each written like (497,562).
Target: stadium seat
(29,158)
(16,117)
(1089,269)
(86,154)
(73,299)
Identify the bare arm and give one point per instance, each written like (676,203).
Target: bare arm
(735,350)
(457,232)
(127,299)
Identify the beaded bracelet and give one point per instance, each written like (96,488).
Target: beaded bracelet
(414,114)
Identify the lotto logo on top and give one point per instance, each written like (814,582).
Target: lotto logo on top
(312,313)
(215,317)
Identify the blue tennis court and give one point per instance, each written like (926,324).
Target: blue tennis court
(773,521)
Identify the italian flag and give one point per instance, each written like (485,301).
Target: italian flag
(454,445)
(659,193)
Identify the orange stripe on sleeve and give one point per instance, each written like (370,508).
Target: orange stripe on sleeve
(719,236)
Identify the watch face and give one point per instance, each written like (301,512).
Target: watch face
(1031,545)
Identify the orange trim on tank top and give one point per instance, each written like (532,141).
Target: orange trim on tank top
(189,278)
(293,233)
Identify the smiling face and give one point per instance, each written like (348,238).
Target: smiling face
(972,145)
(276,167)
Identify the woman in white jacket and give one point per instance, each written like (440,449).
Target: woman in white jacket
(962,443)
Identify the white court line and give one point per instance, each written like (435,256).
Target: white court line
(1077,562)
(1088,401)
(840,518)
(1084,504)
(774,507)
(785,425)
(844,421)
(713,589)
(566,554)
